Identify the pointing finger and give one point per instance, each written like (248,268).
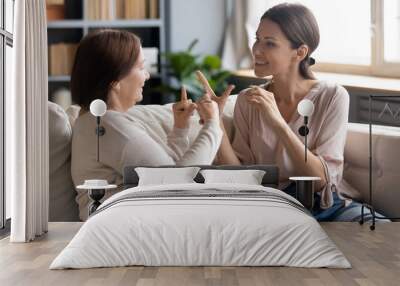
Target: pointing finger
(228,90)
(183,95)
(203,80)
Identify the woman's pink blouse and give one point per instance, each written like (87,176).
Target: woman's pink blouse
(255,142)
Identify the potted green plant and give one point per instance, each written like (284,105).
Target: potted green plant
(181,67)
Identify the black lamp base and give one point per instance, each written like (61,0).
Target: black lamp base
(305,193)
(96,195)
(305,190)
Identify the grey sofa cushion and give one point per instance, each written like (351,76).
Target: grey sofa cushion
(385,162)
(62,205)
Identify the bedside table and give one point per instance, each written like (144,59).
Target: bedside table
(96,191)
(305,190)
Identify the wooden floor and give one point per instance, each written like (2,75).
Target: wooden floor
(374,255)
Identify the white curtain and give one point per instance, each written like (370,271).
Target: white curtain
(27,155)
(243,19)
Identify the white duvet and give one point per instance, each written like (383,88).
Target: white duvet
(183,231)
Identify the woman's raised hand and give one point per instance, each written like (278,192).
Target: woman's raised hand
(220,100)
(207,109)
(265,102)
(183,109)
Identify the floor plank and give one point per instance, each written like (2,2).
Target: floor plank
(374,255)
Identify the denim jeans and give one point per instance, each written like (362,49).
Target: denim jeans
(319,213)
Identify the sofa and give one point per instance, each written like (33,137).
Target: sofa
(386,162)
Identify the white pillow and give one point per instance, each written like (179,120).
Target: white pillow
(162,176)
(248,177)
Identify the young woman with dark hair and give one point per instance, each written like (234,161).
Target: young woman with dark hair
(109,65)
(266,118)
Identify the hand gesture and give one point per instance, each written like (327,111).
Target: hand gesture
(220,100)
(265,102)
(183,109)
(207,109)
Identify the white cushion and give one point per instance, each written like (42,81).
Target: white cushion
(73,113)
(163,176)
(248,177)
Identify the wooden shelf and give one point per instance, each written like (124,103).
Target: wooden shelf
(66,78)
(62,24)
(59,78)
(360,82)
(69,31)
(119,23)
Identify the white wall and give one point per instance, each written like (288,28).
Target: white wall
(201,19)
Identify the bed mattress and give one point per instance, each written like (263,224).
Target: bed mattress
(201,225)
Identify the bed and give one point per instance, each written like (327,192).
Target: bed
(201,224)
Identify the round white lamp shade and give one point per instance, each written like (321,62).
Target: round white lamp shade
(305,107)
(98,107)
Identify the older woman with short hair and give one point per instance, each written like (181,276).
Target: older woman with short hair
(109,65)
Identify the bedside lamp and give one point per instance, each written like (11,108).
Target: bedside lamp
(97,188)
(305,185)
(98,108)
(305,108)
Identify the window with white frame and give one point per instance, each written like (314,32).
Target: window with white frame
(6,66)
(357,36)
